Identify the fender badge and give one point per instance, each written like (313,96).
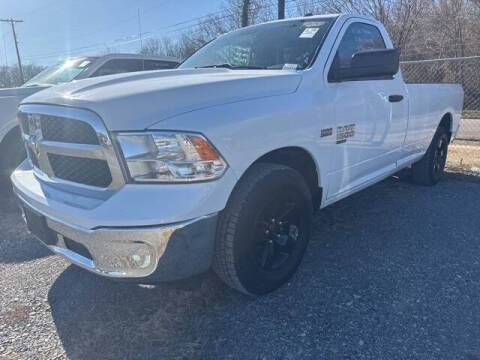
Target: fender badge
(345,132)
(326,132)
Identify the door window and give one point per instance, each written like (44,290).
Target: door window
(358,37)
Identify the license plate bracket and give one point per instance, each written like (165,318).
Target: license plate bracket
(37,224)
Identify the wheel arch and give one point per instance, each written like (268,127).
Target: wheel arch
(10,135)
(447,123)
(301,160)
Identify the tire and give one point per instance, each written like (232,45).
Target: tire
(429,170)
(264,230)
(12,154)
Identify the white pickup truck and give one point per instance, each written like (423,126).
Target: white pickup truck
(158,176)
(12,151)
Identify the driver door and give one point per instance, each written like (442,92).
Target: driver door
(369,130)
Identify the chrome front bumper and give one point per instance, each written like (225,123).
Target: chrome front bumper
(145,254)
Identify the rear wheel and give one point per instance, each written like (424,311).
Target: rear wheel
(264,230)
(429,170)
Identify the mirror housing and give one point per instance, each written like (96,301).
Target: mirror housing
(379,64)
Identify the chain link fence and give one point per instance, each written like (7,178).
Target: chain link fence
(464,153)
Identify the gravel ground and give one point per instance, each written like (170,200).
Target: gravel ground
(392,272)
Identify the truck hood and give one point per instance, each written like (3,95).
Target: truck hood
(137,100)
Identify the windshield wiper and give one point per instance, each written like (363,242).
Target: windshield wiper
(233,67)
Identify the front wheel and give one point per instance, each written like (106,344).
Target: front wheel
(264,229)
(429,170)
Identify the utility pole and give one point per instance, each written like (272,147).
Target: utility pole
(12,23)
(281,9)
(5,48)
(246,6)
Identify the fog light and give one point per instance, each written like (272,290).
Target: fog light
(142,261)
(124,257)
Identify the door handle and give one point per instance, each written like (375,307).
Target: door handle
(395,98)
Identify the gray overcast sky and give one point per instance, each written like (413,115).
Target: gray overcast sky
(53,28)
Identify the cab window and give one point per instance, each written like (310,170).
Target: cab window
(358,37)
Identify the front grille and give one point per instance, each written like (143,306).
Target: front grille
(67,130)
(75,148)
(22,118)
(93,172)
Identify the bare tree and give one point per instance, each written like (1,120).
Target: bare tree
(9,75)
(420,28)
(308,7)
(161,47)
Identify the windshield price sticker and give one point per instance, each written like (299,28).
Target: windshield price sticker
(309,32)
(290,67)
(313,24)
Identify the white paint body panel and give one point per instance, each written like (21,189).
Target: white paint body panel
(247,114)
(11,98)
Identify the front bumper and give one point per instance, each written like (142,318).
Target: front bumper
(144,254)
(146,233)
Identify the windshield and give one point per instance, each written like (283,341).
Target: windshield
(62,72)
(280,45)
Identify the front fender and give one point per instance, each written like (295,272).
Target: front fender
(245,131)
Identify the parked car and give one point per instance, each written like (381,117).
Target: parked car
(12,150)
(158,176)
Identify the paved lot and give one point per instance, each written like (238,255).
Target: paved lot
(392,273)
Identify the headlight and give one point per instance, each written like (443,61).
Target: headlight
(170,157)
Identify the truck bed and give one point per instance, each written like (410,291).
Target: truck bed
(427,104)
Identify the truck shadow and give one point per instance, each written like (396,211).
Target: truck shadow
(16,243)
(378,276)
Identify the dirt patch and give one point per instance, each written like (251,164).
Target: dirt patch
(15,316)
(464,156)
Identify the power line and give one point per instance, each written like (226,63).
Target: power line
(41,8)
(118,22)
(54,54)
(196,19)
(12,23)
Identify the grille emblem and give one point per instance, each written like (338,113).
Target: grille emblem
(35,134)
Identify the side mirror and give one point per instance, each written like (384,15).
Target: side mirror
(368,65)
